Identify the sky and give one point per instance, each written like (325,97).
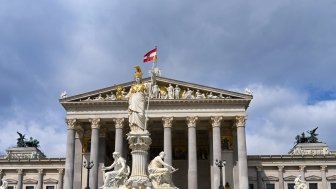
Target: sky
(284,51)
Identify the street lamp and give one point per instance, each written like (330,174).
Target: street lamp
(220,164)
(88,167)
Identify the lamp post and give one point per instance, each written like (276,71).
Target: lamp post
(88,166)
(220,164)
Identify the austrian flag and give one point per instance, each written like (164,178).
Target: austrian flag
(150,56)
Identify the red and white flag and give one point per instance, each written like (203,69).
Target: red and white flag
(150,56)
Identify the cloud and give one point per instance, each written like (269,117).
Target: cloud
(277,115)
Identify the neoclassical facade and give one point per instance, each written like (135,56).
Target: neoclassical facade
(195,125)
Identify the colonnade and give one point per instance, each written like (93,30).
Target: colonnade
(167,123)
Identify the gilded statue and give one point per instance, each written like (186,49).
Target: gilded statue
(137,103)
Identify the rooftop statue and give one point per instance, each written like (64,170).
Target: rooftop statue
(311,139)
(137,104)
(22,142)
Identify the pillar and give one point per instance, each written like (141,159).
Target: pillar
(242,153)
(302,172)
(167,139)
(70,154)
(216,145)
(119,125)
(102,154)
(235,158)
(323,175)
(259,178)
(78,161)
(281,179)
(192,153)
(60,179)
(20,178)
(95,126)
(40,179)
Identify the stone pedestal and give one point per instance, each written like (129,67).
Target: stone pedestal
(139,144)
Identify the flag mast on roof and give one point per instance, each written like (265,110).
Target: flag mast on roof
(151,56)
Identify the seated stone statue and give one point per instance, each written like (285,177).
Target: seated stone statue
(116,178)
(4,184)
(160,173)
(300,184)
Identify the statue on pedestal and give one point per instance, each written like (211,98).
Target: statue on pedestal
(299,184)
(116,179)
(160,172)
(137,103)
(4,184)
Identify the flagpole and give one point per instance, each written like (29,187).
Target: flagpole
(150,87)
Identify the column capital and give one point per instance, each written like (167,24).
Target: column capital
(280,168)
(1,172)
(19,171)
(302,167)
(95,123)
(40,171)
(119,122)
(60,171)
(240,121)
(71,123)
(216,121)
(167,122)
(259,168)
(323,167)
(191,121)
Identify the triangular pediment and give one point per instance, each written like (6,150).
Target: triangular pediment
(185,91)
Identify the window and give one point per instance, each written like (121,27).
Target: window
(10,187)
(332,185)
(50,187)
(312,185)
(251,186)
(290,185)
(270,186)
(29,187)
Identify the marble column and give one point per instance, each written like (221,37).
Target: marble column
(167,139)
(1,173)
(102,154)
(192,153)
(259,178)
(40,179)
(20,178)
(302,172)
(60,179)
(119,125)
(95,126)
(324,177)
(78,162)
(242,153)
(281,179)
(216,145)
(70,154)
(235,158)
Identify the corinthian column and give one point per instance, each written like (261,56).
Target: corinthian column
(192,153)
(70,154)
(281,179)
(119,125)
(323,175)
(167,145)
(60,179)
(78,161)
(95,126)
(216,145)
(20,178)
(40,179)
(242,154)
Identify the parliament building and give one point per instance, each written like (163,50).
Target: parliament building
(194,125)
